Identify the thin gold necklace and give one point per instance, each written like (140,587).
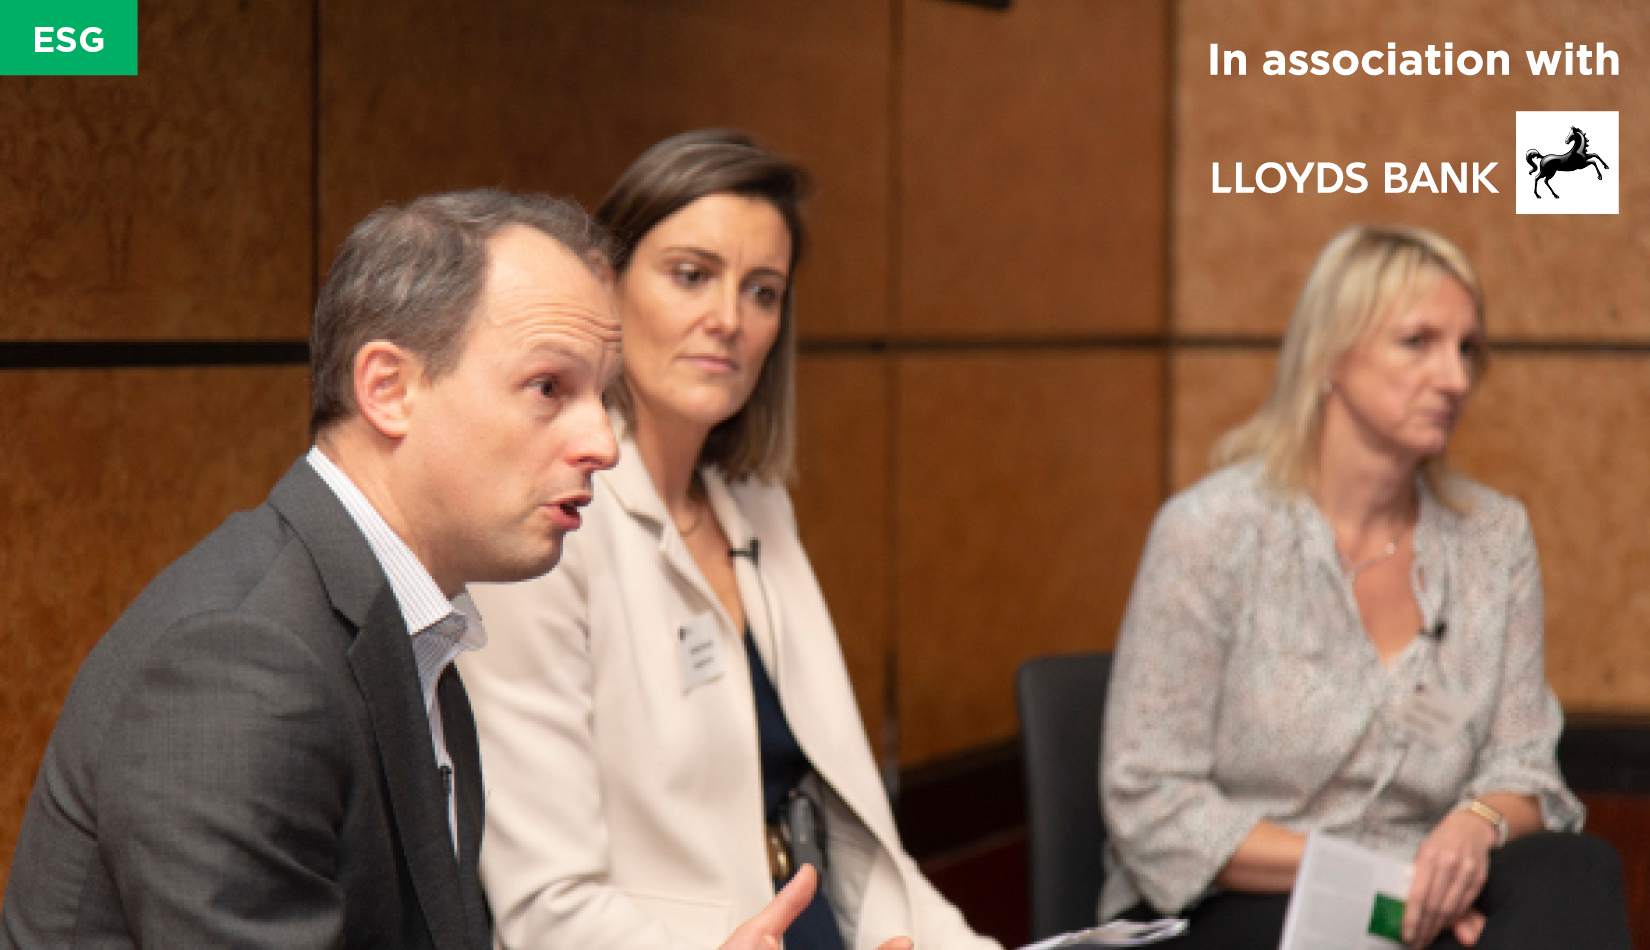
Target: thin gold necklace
(1364,565)
(698,510)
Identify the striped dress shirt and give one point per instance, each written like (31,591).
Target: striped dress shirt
(441,629)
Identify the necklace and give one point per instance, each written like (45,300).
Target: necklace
(1364,565)
(698,517)
(695,496)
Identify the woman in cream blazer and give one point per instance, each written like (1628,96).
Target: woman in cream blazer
(618,720)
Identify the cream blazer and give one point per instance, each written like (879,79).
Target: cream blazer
(624,802)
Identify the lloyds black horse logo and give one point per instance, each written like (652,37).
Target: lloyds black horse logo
(1544,167)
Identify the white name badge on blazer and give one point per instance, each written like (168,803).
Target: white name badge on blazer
(699,651)
(1434,716)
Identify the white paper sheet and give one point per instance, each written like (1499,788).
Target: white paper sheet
(1118,933)
(1345,897)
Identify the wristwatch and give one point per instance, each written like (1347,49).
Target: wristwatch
(1495,818)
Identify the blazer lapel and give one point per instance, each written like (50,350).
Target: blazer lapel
(381,660)
(760,616)
(633,489)
(341,554)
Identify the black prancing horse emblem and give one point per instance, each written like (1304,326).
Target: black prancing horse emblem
(1544,167)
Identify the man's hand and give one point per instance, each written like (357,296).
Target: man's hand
(763,931)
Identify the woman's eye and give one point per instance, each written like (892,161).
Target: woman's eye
(690,275)
(766,297)
(549,387)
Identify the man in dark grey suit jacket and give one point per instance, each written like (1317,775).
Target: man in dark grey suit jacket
(271,747)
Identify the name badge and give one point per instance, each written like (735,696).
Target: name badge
(1433,716)
(699,651)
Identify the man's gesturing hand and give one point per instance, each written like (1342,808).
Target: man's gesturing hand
(763,931)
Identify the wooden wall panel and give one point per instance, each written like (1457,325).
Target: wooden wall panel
(561,97)
(842,509)
(1240,259)
(1213,392)
(172,204)
(1570,436)
(1033,180)
(106,478)
(1025,486)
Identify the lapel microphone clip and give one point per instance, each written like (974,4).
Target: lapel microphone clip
(752,551)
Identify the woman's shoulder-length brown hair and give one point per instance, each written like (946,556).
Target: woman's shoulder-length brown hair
(760,439)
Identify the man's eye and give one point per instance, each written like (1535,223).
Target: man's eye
(549,387)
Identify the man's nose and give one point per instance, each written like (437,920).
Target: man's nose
(596,447)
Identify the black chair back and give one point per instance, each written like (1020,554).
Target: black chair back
(1061,700)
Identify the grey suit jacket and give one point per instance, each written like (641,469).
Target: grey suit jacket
(244,760)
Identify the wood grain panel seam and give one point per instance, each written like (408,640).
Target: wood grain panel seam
(1171,154)
(150,354)
(888,742)
(1547,346)
(936,344)
(315,152)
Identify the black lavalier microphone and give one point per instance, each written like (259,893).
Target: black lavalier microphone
(753,551)
(1436,631)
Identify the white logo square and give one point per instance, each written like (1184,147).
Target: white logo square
(1570,162)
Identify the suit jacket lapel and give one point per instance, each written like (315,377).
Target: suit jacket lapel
(381,660)
(343,558)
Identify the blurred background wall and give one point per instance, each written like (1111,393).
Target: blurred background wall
(1024,319)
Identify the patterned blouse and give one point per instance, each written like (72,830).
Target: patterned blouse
(1246,689)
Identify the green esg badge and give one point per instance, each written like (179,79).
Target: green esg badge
(68,38)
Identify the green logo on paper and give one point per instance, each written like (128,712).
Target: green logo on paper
(68,38)
(1388,918)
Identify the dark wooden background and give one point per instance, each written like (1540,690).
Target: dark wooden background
(1024,319)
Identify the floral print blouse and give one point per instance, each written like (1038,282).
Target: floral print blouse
(1245,688)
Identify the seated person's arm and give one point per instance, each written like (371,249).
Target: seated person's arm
(1517,773)
(1517,766)
(1266,861)
(1173,827)
(1523,812)
(220,790)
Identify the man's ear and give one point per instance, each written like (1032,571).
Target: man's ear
(385,379)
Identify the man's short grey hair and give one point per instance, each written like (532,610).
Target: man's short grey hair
(413,274)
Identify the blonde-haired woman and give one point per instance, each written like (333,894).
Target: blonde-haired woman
(1336,633)
(668,729)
